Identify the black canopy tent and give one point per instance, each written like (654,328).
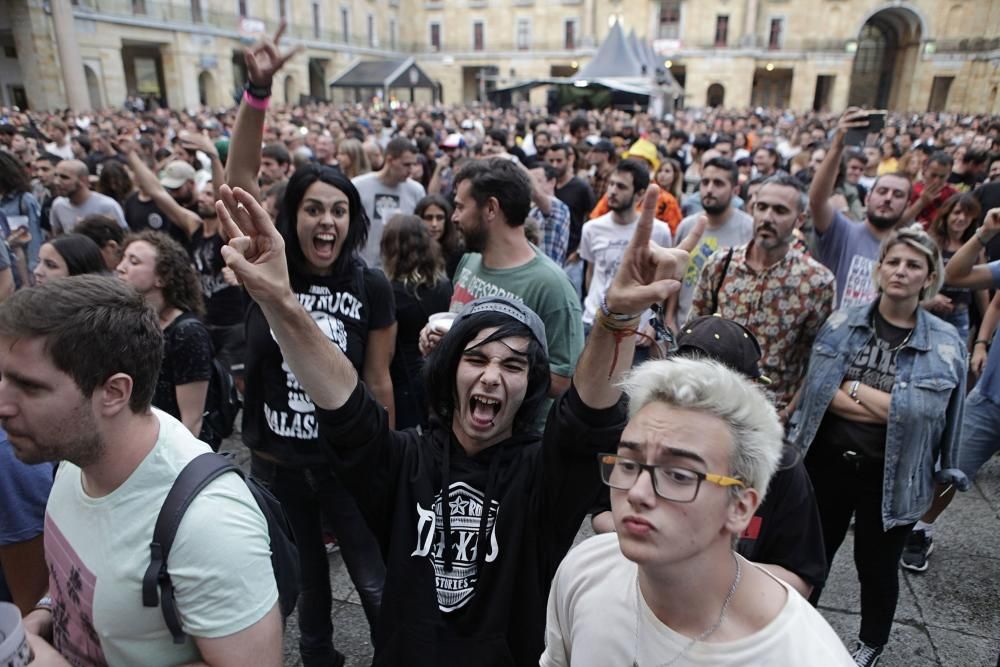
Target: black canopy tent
(385,75)
(624,72)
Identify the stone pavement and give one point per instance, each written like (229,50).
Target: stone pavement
(948,616)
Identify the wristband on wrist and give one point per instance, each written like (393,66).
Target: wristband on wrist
(256,103)
(981,341)
(260,92)
(45,603)
(979,237)
(618,317)
(854,391)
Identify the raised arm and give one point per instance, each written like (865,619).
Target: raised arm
(243,164)
(256,254)
(150,184)
(648,274)
(962,270)
(826,175)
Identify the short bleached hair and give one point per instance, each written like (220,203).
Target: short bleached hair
(712,388)
(917,238)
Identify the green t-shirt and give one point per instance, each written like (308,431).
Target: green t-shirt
(540,285)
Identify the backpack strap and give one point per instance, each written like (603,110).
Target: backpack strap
(156,585)
(722,279)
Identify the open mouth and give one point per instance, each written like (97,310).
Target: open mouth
(324,243)
(483,409)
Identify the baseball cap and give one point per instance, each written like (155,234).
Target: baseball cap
(176,174)
(604,146)
(725,341)
(453,141)
(513,309)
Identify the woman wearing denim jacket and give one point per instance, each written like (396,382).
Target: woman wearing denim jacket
(882,399)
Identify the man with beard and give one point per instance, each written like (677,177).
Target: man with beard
(79,359)
(570,190)
(726,226)
(792,294)
(76,201)
(492,199)
(605,239)
(847,248)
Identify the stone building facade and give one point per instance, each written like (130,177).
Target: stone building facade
(824,54)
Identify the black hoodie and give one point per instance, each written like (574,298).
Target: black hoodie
(446,602)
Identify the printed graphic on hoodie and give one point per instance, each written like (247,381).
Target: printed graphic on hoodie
(455,588)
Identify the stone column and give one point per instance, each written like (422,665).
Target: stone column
(749,37)
(71,64)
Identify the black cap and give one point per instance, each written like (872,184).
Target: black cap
(722,340)
(604,146)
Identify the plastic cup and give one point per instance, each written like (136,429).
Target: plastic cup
(14,648)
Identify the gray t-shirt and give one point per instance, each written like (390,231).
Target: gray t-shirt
(64,215)
(736,230)
(381,202)
(850,250)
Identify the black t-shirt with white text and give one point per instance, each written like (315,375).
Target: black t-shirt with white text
(278,416)
(224,303)
(874,365)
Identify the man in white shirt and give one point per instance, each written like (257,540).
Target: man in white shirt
(692,466)
(388,191)
(604,239)
(79,360)
(77,201)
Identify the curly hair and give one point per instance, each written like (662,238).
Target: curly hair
(14,175)
(181,286)
(114,181)
(409,255)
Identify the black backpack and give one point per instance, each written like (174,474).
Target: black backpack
(157,588)
(222,404)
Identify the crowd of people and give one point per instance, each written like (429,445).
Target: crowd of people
(458,332)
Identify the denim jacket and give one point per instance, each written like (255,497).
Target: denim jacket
(925,411)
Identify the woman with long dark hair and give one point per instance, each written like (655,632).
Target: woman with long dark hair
(21,209)
(951,228)
(324,226)
(413,264)
(69,255)
(436,213)
(880,403)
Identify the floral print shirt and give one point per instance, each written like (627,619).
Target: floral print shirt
(783,305)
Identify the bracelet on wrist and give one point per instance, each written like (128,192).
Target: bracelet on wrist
(981,341)
(618,317)
(260,92)
(979,237)
(609,323)
(256,103)
(854,391)
(45,603)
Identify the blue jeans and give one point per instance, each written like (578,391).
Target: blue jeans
(307,496)
(980,427)
(574,271)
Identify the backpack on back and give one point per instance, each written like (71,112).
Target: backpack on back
(157,588)
(222,405)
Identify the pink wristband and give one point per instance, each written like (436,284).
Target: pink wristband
(261,105)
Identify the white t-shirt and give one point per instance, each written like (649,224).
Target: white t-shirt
(97,550)
(736,230)
(603,244)
(591,622)
(381,202)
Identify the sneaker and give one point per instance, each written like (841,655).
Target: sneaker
(330,543)
(867,656)
(919,546)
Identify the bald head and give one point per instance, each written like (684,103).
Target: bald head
(71,179)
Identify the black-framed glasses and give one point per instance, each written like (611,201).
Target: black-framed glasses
(674,483)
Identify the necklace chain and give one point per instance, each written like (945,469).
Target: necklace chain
(879,336)
(702,636)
